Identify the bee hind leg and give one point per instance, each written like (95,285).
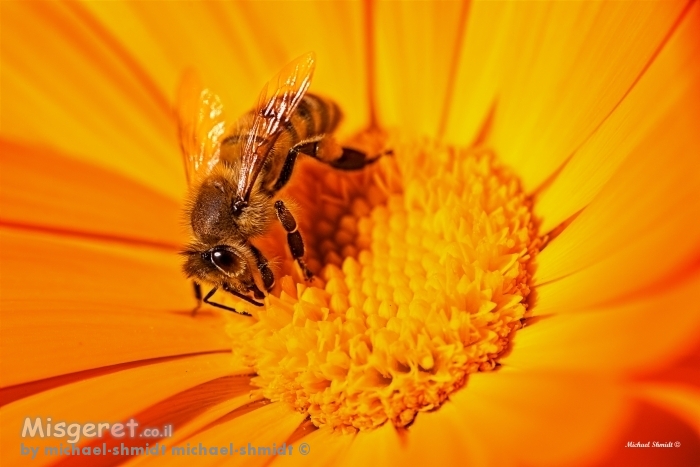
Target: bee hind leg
(325,149)
(352,159)
(294,240)
(291,159)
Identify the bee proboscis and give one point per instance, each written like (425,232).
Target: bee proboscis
(235,173)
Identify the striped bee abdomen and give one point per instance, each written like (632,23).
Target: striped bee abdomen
(313,116)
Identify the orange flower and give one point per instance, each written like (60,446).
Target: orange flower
(552,139)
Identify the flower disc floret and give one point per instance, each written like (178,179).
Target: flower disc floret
(426,279)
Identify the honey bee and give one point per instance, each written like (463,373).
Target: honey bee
(235,174)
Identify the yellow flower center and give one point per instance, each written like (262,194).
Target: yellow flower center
(426,268)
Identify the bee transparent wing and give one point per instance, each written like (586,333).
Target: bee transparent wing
(278,100)
(201,125)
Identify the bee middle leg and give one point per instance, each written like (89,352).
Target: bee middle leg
(294,240)
(327,150)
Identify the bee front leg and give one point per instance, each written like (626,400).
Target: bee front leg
(268,277)
(198,296)
(294,240)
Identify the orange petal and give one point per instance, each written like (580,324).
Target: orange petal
(651,424)
(415,58)
(635,336)
(62,273)
(186,412)
(166,39)
(44,189)
(649,120)
(681,400)
(446,437)
(227,44)
(99,297)
(376,447)
(543,418)
(565,68)
(325,448)
(201,422)
(255,429)
(685,371)
(483,55)
(102,399)
(639,229)
(65,87)
(337,38)
(94,339)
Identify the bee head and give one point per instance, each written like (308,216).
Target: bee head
(225,265)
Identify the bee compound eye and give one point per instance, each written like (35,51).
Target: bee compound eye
(224,260)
